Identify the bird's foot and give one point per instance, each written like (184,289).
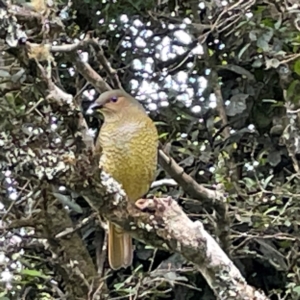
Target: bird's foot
(155,204)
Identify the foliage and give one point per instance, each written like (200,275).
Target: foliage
(222,82)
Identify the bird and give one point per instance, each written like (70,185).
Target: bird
(128,140)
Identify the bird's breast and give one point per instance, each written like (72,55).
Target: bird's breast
(130,155)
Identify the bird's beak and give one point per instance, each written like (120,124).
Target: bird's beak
(95,106)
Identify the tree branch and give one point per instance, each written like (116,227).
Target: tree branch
(161,223)
(76,265)
(208,197)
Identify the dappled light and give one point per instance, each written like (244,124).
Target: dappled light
(219,79)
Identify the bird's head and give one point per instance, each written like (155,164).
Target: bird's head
(114,102)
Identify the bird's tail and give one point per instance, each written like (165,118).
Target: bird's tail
(120,252)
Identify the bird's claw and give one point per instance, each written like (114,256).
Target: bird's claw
(155,204)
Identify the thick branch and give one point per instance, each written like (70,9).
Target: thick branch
(73,260)
(91,76)
(162,223)
(208,197)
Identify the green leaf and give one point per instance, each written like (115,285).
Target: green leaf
(297,67)
(274,208)
(263,40)
(267,181)
(162,135)
(2,296)
(292,90)
(65,200)
(119,285)
(33,273)
(259,9)
(149,247)
(269,100)
(160,123)
(249,182)
(278,24)
(296,289)
(261,43)
(4,74)
(268,22)
(243,50)
(287,223)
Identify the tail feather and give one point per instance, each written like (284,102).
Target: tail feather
(120,252)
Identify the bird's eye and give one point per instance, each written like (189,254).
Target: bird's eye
(114,99)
